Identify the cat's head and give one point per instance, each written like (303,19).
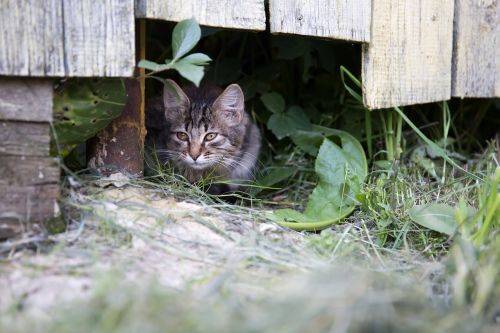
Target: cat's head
(206,125)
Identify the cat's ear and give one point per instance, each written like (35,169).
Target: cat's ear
(230,105)
(174,99)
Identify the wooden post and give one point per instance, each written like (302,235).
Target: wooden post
(29,178)
(408,59)
(476,49)
(120,146)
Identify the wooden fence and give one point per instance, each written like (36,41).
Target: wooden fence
(414,51)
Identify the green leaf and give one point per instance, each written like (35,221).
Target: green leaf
(199,59)
(341,168)
(437,217)
(275,176)
(287,123)
(193,73)
(274,102)
(82,107)
(152,66)
(308,141)
(185,36)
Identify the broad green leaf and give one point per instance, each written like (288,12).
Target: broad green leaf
(193,73)
(289,215)
(185,36)
(308,141)
(341,169)
(437,217)
(199,59)
(152,66)
(83,107)
(287,123)
(252,86)
(274,102)
(275,176)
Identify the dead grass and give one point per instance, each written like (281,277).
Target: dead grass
(135,258)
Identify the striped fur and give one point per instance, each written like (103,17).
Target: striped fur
(204,133)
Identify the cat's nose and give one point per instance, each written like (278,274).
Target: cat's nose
(195,156)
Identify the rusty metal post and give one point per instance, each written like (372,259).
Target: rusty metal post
(120,146)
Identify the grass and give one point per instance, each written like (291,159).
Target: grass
(132,259)
(377,272)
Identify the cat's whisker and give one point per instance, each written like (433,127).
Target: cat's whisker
(232,163)
(178,135)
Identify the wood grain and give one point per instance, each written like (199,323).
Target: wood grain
(408,60)
(24,204)
(28,176)
(67,38)
(339,19)
(28,170)
(476,49)
(99,37)
(24,138)
(26,99)
(237,14)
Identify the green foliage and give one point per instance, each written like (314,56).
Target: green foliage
(284,124)
(341,169)
(484,225)
(437,217)
(473,224)
(83,107)
(185,36)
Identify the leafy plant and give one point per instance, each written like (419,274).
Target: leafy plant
(185,36)
(473,224)
(341,168)
(284,123)
(83,107)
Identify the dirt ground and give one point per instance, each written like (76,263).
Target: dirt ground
(139,234)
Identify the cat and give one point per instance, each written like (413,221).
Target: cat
(204,133)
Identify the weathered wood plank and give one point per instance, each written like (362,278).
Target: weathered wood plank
(28,203)
(28,177)
(28,170)
(339,19)
(31,38)
(237,14)
(67,38)
(99,37)
(408,60)
(26,99)
(24,138)
(476,49)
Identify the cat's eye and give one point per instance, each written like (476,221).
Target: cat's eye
(182,136)
(210,136)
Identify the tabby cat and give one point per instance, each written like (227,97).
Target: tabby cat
(204,133)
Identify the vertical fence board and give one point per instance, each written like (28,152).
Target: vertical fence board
(238,14)
(99,37)
(31,38)
(339,19)
(67,38)
(476,49)
(408,60)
